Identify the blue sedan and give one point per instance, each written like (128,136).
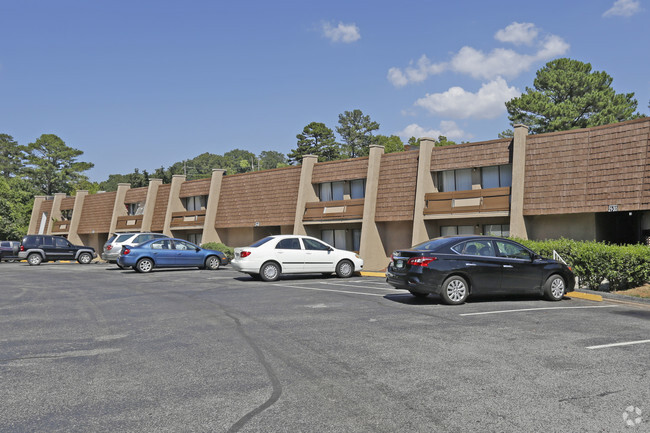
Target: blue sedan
(169,253)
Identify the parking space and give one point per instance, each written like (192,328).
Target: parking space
(93,347)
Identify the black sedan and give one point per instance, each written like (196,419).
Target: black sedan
(455,267)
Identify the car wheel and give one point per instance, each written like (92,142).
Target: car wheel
(84,258)
(34,259)
(212,263)
(144,265)
(270,271)
(455,290)
(419,294)
(554,288)
(344,269)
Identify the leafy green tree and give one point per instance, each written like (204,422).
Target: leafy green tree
(568,95)
(508,133)
(239,161)
(271,159)
(414,142)
(12,156)
(315,139)
(356,132)
(442,141)
(16,201)
(391,144)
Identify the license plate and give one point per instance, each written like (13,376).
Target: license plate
(399,264)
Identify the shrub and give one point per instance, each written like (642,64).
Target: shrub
(624,266)
(228,251)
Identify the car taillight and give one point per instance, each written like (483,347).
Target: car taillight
(421,261)
(22,248)
(244,254)
(110,247)
(125,251)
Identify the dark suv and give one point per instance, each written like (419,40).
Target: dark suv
(46,248)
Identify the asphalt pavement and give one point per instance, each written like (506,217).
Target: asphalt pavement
(94,348)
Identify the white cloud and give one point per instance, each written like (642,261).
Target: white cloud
(500,62)
(345,33)
(447,128)
(518,33)
(623,8)
(457,103)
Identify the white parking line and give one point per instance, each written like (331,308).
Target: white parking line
(328,290)
(535,309)
(361,287)
(627,343)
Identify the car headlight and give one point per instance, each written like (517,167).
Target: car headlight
(357,256)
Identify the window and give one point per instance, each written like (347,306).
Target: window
(66,214)
(501,230)
(512,251)
(475,248)
(61,243)
(342,239)
(456,230)
(195,238)
(331,191)
(496,176)
(135,208)
(161,245)
(261,241)
(197,202)
(183,246)
(455,180)
(288,244)
(358,188)
(311,244)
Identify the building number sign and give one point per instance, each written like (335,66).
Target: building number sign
(612,208)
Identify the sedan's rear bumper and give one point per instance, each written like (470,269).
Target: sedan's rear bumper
(409,281)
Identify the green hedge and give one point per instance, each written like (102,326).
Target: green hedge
(228,251)
(624,266)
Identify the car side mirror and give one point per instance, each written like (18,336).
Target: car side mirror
(198,249)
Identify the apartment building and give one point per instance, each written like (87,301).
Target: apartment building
(585,184)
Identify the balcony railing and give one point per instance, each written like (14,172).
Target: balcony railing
(129,222)
(191,218)
(334,210)
(61,226)
(477,200)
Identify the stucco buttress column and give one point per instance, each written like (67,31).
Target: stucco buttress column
(210,233)
(73,235)
(306,192)
(55,214)
(371,249)
(118,205)
(424,184)
(174,204)
(35,219)
(150,204)
(517,222)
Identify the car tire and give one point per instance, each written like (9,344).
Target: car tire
(270,271)
(34,259)
(344,269)
(84,258)
(419,294)
(454,290)
(554,288)
(212,263)
(144,265)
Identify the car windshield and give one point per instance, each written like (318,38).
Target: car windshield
(261,241)
(431,244)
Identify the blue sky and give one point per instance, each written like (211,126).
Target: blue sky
(143,84)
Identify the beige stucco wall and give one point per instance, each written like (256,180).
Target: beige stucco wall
(581,227)
(395,235)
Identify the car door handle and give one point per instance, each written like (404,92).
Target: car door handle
(470,264)
(507,266)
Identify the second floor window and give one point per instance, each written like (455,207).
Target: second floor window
(331,191)
(197,202)
(496,176)
(353,189)
(135,208)
(455,180)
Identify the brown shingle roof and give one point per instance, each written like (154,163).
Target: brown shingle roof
(159,210)
(268,197)
(193,188)
(96,213)
(136,195)
(585,170)
(468,155)
(347,169)
(67,203)
(396,190)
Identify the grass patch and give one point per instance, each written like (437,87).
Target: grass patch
(638,292)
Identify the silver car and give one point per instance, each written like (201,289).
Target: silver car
(113,246)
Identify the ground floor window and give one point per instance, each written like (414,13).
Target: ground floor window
(195,238)
(502,230)
(456,230)
(345,239)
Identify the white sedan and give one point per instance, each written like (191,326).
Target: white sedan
(272,256)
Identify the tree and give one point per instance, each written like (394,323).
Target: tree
(239,161)
(52,166)
(271,159)
(12,156)
(391,144)
(315,139)
(568,95)
(442,141)
(356,131)
(16,201)
(414,141)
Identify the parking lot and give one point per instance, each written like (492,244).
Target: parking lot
(95,348)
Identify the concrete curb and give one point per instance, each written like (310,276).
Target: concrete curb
(615,297)
(588,296)
(373,274)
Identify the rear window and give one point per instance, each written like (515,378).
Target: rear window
(261,241)
(123,238)
(431,244)
(111,239)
